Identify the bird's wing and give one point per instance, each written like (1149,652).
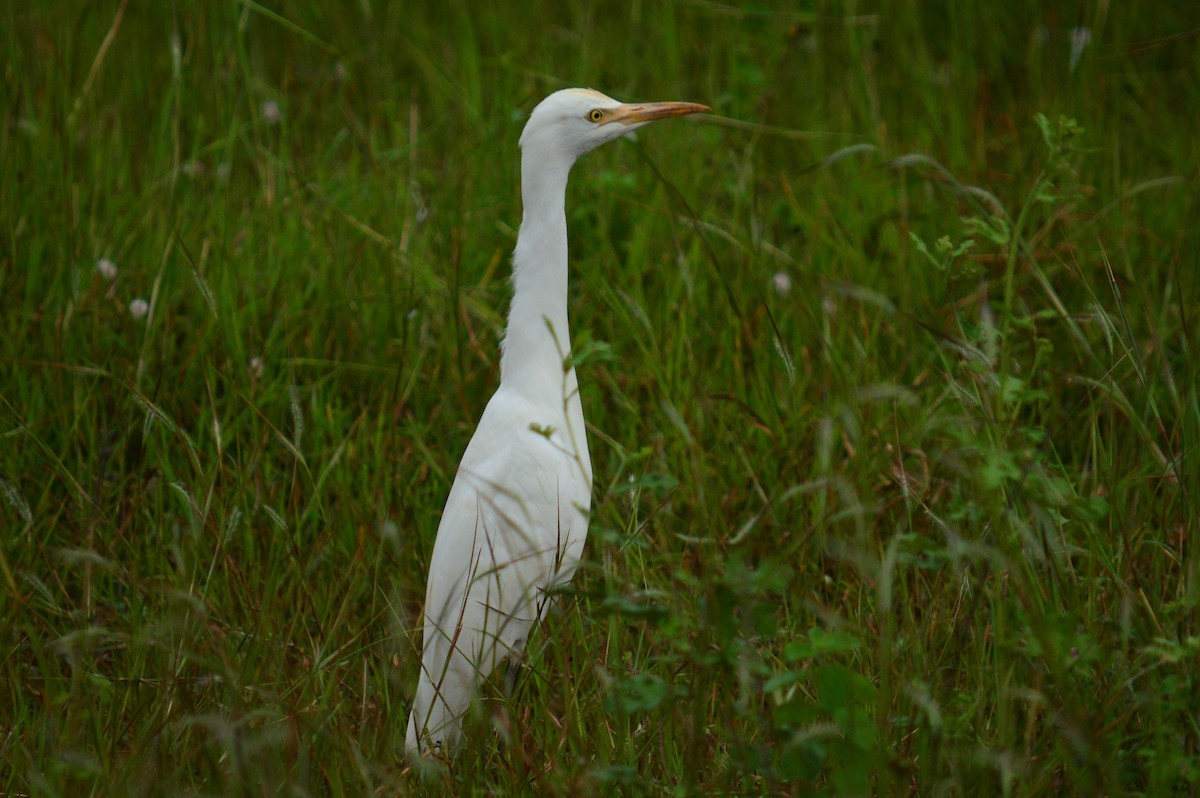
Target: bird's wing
(514,526)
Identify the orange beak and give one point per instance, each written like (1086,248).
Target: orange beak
(640,113)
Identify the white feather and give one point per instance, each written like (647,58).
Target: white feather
(513,528)
(517,514)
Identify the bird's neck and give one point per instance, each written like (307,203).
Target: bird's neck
(538,338)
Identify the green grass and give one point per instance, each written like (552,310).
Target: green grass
(924,524)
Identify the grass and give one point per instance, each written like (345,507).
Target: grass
(891,385)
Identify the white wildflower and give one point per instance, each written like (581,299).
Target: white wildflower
(256,368)
(1081,37)
(271,112)
(16,501)
(107,269)
(783,283)
(138,308)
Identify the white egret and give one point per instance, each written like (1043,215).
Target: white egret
(517,513)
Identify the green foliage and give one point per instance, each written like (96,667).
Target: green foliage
(889,367)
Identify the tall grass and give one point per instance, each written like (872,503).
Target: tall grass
(889,370)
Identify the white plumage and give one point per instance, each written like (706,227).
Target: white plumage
(517,514)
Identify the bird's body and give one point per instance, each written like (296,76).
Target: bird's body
(518,510)
(517,514)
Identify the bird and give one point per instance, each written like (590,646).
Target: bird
(516,517)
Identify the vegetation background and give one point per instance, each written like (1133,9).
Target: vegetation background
(890,366)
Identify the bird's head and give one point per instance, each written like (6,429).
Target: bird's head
(572,122)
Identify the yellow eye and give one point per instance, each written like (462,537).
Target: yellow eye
(595,115)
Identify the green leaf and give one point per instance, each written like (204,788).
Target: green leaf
(994,228)
(782,680)
(632,606)
(615,774)
(587,350)
(819,642)
(801,761)
(641,693)
(1094,508)
(998,469)
(1043,124)
(797,712)
(833,687)
(919,243)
